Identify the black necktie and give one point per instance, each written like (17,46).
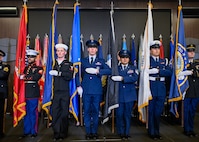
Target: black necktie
(91,60)
(156,59)
(124,67)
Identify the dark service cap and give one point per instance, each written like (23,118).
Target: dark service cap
(2,53)
(124,53)
(191,47)
(92,43)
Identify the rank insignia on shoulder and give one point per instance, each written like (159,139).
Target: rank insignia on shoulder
(6,69)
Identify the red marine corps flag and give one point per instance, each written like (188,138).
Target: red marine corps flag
(19,86)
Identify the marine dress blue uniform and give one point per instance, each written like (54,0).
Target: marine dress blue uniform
(158,91)
(32,74)
(127,96)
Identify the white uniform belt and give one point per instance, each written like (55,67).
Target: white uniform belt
(156,78)
(30,81)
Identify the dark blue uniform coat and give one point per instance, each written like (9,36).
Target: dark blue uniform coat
(158,90)
(127,96)
(92,92)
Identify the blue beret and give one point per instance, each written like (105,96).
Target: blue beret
(2,53)
(92,43)
(124,53)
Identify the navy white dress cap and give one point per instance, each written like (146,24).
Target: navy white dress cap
(61,45)
(32,52)
(155,44)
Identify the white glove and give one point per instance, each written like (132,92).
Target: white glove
(153,71)
(92,70)
(187,72)
(22,76)
(53,72)
(117,78)
(80,91)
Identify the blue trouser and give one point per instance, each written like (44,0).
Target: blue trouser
(31,117)
(156,106)
(91,111)
(123,114)
(190,106)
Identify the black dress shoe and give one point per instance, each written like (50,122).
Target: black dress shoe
(153,137)
(193,134)
(95,136)
(88,136)
(33,135)
(158,137)
(23,136)
(127,137)
(189,134)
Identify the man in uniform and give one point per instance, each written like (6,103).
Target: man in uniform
(127,93)
(92,70)
(4,73)
(62,73)
(157,73)
(31,76)
(191,99)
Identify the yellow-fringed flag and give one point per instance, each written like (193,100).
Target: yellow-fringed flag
(48,90)
(19,110)
(144,94)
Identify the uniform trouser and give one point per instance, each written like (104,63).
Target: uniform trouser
(60,110)
(190,106)
(156,106)
(2,102)
(31,117)
(91,111)
(123,114)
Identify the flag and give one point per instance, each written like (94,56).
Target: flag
(19,110)
(82,46)
(124,46)
(161,49)
(48,90)
(111,100)
(27,48)
(140,59)
(39,63)
(100,53)
(44,60)
(76,60)
(144,94)
(133,54)
(179,85)
(172,50)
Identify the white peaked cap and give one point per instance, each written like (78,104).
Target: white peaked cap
(31,52)
(61,45)
(155,42)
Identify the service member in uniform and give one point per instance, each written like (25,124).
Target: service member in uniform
(4,73)
(92,70)
(191,99)
(31,76)
(62,73)
(128,75)
(159,69)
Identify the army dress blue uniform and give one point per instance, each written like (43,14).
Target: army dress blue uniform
(61,96)
(158,91)
(127,96)
(92,92)
(32,74)
(4,73)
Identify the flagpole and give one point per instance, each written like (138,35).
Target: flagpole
(113,110)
